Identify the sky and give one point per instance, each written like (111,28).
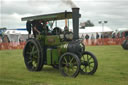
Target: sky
(113,11)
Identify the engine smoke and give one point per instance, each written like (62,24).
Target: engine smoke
(70,3)
(50,2)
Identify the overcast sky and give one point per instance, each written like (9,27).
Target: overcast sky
(114,11)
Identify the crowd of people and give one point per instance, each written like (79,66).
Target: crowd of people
(103,38)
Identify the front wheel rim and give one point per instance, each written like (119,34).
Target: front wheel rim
(69,65)
(88,63)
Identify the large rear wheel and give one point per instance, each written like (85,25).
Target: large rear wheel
(69,64)
(33,56)
(89,63)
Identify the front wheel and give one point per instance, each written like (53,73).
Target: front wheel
(89,63)
(69,64)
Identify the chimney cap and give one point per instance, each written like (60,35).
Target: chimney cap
(75,8)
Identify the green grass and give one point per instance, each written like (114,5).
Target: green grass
(112,69)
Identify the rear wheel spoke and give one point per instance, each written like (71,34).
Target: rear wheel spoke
(71,60)
(65,60)
(30,61)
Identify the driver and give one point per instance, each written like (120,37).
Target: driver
(37,27)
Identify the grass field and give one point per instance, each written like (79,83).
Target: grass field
(112,70)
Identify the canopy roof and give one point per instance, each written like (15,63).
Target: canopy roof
(48,17)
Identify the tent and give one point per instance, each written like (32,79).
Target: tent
(15,31)
(122,29)
(16,35)
(94,30)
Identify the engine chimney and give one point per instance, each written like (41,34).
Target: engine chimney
(75,16)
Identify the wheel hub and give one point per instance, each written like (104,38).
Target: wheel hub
(85,63)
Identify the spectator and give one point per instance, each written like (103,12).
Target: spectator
(102,35)
(87,37)
(0,39)
(82,36)
(97,38)
(113,35)
(92,39)
(118,35)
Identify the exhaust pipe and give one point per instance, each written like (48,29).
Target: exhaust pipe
(75,17)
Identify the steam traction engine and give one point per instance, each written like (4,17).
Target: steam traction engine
(61,49)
